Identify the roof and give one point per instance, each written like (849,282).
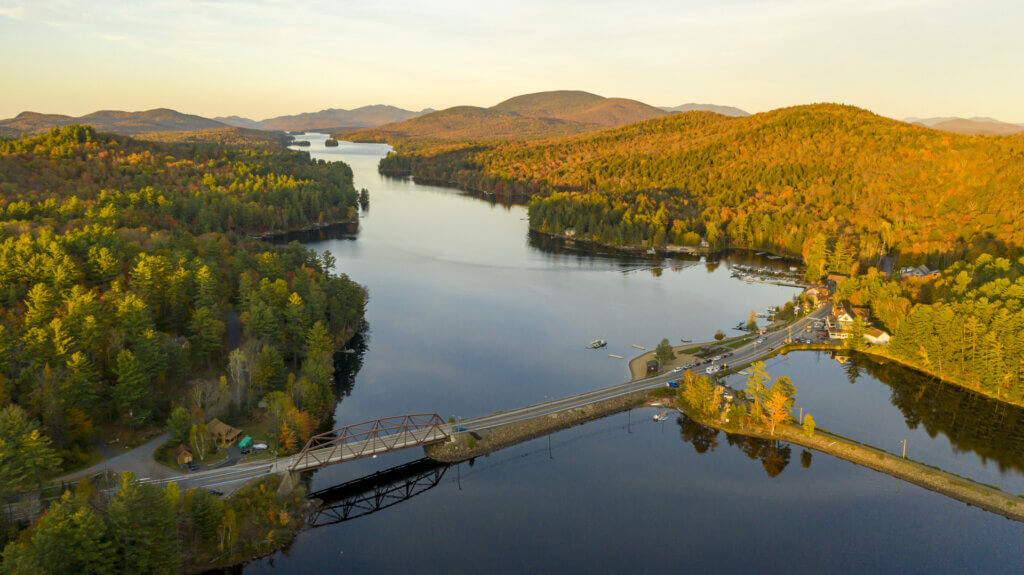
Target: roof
(218,427)
(836,277)
(874,332)
(181,449)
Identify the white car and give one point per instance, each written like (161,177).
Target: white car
(677,369)
(716,358)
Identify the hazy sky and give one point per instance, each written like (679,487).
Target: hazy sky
(265,58)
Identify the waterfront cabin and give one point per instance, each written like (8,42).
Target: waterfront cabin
(875,336)
(652,365)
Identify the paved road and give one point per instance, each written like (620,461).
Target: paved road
(227,478)
(742,356)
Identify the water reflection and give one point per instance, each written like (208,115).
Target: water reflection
(376,492)
(971,422)
(773,455)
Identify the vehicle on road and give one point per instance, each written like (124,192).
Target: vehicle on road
(771,348)
(672,384)
(216,492)
(460,428)
(677,369)
(191,466)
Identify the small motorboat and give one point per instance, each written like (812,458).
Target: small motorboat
(661,416)
(597,344)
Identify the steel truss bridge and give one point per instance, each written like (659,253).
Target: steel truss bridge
(369,439)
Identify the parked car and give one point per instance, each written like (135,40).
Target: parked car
(191,466)
(677,369)
(259,446)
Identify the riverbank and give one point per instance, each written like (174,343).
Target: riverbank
(968,491)
(277,234)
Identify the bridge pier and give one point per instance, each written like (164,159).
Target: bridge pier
(289,480)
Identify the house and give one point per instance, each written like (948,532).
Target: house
(183,455)
(834,280)
(223,434)
(652,365)
(839,322)
(918,272)
(875,336)
(844,315)
(817,295)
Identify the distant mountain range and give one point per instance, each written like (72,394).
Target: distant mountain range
(976,125)
(165,120)
(158,120)
(539,115)
(723,110)
(327,120)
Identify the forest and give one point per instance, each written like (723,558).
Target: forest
(770,181)
(963,326)
(132,290)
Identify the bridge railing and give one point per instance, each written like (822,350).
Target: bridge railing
(370,438)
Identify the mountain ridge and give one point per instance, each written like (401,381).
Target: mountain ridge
(536,115)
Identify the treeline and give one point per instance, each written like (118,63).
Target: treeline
(122,268)
(73,175)
(143,528)
(963,326)
(769,181)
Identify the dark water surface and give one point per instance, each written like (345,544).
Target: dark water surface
(469,315)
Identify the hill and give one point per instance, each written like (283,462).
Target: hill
(580,107)
(790,180)
(337,118)
(239,122)
(225,135)
(157,120)
(723,110)
(526,117)
(976,125)
(979,127)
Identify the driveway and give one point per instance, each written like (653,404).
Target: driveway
(139,461)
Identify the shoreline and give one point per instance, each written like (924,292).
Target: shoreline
(276,234)
(963,489)
(968,491)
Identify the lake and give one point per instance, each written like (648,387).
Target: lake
(470,313)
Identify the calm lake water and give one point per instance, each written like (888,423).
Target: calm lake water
(470,314)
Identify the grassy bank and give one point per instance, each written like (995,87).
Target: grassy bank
(475,444)
(971,492)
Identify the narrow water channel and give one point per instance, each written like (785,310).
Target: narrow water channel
(469,314)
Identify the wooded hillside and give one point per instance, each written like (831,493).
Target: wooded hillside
(775,181)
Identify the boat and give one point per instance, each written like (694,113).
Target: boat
(661,416)
(597,344)
(744,372)
(686,340)
(650,251)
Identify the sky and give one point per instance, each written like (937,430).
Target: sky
(264,58)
